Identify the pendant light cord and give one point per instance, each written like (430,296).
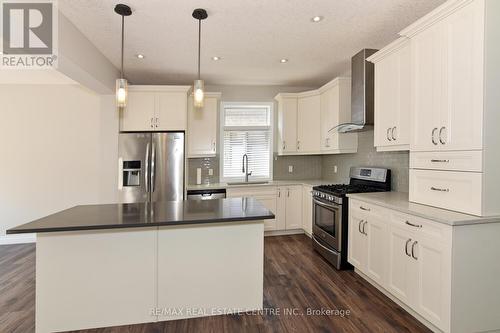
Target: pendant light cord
(123,38)
(199,46)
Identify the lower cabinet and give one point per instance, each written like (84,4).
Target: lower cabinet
(307,209)
(285,202)
(408,256)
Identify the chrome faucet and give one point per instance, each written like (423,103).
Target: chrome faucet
(245,168)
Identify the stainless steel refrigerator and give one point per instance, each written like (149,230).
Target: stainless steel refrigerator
(151,166)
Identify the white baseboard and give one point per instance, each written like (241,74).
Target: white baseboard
(17,239)
(283,232)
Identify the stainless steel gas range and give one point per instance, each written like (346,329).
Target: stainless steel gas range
(330,211)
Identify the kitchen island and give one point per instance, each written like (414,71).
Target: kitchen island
(120,264)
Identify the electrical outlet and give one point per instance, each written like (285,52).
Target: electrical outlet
(335,169)
(210,172)
(290,169)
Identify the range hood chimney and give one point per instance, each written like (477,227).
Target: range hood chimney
(362,93)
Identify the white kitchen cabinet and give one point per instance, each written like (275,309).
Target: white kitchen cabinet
(335,107)
(454,96)
(293,207)
(155,108)
(305,119)
(448,72)
(285,202)
(287,123)
(357,245)
(308,123)
(408,256)
(139,113)
(202,127)
(392,96)
(307,209)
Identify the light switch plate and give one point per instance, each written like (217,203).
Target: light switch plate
(290,169)
(335,169)
(210,172)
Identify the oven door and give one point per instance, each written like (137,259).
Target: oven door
(327,218)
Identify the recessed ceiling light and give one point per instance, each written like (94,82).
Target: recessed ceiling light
(317,19)
(140,56)
(284,60)
(215,58)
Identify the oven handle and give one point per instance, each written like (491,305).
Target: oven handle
(322,204)
(317,242)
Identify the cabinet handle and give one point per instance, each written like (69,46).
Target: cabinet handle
(328,142)
(392,133)
(387,134)
(213,146)
(413,225)
(364,225)
(413,250)
(279,193)
(433,136)
(363,208)
(152,123)
(440,161)
(288,192)
(406,247)
(359,226)
(298,145)
(284,145)
(443,142)
(440,189)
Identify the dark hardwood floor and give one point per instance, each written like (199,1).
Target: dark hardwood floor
(295,277)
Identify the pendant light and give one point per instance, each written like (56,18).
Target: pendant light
(121,83)
(199,85)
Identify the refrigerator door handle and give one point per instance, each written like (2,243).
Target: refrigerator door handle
(153,167)
(146,169)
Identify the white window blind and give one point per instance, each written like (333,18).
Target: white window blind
(246,129)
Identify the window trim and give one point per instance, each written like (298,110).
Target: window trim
(223,106)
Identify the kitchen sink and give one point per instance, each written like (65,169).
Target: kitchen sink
(248,183)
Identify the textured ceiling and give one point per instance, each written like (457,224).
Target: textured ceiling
(251,36)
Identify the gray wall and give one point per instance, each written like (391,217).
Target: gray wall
(304,167)
(398,162)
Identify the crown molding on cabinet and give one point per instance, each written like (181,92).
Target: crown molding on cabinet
(446,9)
(389,49)
(315,92)
(333,83)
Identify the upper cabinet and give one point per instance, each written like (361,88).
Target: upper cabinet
(455,76)
(308,123)
(287,123)
(392,96)
(202,127)
(155,108)
(447,77)
(305,119)
(335,105)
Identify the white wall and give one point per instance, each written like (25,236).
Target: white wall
(58,148)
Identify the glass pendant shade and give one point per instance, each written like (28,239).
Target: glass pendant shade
(198,93)
(121,93)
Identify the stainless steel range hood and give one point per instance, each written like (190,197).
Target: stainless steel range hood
(362,93)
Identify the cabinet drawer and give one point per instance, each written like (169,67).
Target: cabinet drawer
(422,227)
(448,160)
(360,208)
(458,191)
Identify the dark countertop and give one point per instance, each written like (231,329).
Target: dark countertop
(167,213)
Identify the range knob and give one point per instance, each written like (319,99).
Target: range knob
(323,195)
(330,198)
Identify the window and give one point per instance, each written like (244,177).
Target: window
(246,129)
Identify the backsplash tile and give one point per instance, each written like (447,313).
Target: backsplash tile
(304,167)
(367,155)
(205,163)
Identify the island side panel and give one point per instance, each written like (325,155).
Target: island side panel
(88,279)
(210,269)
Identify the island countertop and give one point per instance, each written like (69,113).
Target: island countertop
(135,215)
